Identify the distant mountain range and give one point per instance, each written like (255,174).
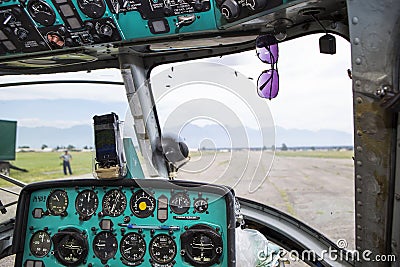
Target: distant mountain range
(195,136)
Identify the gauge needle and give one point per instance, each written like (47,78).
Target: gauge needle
(128,249)
(88,197)
(56,198)
(101,245)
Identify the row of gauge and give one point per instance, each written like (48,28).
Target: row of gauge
(114,202)
(71,247)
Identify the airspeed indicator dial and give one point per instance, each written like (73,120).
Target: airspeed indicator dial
(133,247)
(162,249)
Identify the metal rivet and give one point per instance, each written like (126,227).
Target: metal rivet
(359,149)
(359,190)
(359,203)
(359,133)
(358,61)
(355,20)
(359,237)
(359,100)
(359,215)
(358,83)
(359,227)
(359,163)
(356,41)
(359,177)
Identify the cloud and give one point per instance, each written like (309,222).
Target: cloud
(62,124)
(315,92)
(96,92)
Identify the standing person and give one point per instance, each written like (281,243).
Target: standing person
(66,162)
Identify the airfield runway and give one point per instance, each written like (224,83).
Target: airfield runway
(317,191)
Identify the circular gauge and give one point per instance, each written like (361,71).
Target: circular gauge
(40,244)
(57,202)
(162,249)
(86,203)
(41,12)
(142,204)
(70,247)
(105,245)
(92,8)
(200,205)
(179,203)
(133,247)
(202,245)
(114,203)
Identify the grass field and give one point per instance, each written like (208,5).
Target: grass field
(48,165)
(331,154)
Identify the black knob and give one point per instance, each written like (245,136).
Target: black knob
(89,25)
(69,42)
(230,9)
(17,11)
(198,5)
(21,34)
(168,10)
(105,30)
(256,4)
(62,30)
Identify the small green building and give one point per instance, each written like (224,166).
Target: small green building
(8,136)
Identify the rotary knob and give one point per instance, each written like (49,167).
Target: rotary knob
(22,34)
(256,5)
(230,9)
(105,31)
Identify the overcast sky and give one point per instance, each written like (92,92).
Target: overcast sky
(315,91)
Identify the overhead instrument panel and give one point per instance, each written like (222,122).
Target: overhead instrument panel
(30,26)
(125,223)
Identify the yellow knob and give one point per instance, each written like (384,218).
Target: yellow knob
(142,205)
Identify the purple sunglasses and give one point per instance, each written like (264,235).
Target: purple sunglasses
(267,52)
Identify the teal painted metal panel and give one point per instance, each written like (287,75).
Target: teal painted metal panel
(132,161)
(216,218)
(8,135)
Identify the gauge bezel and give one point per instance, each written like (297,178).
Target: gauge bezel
(155,257)
(51,209)
(148,211)
(89,9)
(113,241)
(96,204)
(39,20)
(196,209)
(34,253)
(189,236)
(60,237)
(141,241)
(124,203)
(176,209)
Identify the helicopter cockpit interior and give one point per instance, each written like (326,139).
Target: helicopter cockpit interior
(123,218)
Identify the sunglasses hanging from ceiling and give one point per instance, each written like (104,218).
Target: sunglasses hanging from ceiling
(268,81)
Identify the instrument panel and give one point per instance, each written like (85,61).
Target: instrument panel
(30,26)
(146,222)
